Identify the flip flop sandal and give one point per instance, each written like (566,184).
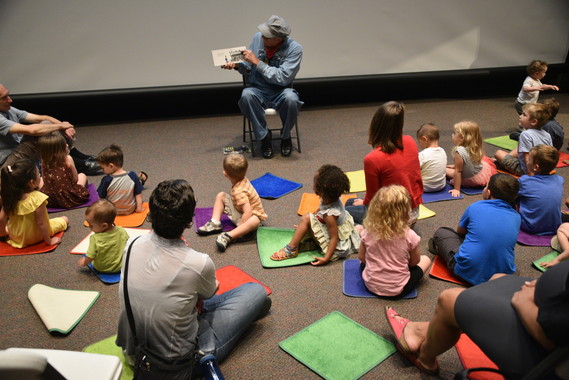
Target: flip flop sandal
(143,177)
(397,326)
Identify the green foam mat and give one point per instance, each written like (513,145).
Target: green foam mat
(108,347)
(550,256)
(504,142)
(337,348)
(270,240)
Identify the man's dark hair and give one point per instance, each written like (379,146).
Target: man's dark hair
(172,205)
(504,187)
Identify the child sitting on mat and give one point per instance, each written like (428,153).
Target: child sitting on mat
(61,182)
(469,168)
(389,253)
(23,217)
(433,158)
(532,119)
(541,193)
(331,227)
(122,188)
(483,244)
(107,243)
(243,206)
(560,243)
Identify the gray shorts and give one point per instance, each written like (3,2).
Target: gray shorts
(512,165)
(231,211)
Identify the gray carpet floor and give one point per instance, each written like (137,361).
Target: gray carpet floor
(192,149)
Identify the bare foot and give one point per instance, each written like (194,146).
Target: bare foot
(413,336)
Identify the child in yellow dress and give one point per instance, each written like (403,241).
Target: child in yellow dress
(23,217)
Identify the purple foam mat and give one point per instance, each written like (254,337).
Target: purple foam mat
(93,197)
(203,214)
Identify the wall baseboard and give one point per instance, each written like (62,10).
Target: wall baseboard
(109,106)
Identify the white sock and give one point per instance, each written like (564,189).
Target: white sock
(216,222)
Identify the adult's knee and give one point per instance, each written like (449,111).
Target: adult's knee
(446,301)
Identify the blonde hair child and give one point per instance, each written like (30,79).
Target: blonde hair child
(23,217)
(61,182)
(469,168)
(389,252)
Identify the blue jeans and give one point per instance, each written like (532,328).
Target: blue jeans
(225,317)
(357,212)
(254,101)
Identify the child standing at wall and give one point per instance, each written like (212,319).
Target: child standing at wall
(541,193)
(107,243)
(390,249)
(61,182)
(532,85)
(331,227)
(243,206)
(23,217)
(122,188)
(469,168)
(433,158)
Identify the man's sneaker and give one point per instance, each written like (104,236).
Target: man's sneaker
(223,241)
(209,228)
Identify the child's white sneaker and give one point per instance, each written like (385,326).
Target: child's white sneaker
(209,228)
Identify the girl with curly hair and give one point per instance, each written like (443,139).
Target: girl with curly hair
(330,227)
(389,253)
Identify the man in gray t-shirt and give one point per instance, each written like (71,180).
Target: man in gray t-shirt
(19,129)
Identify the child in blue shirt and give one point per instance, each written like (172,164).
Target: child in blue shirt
(541,193)
(483,244)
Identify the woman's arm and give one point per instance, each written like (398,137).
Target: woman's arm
(332,225)
(524,304)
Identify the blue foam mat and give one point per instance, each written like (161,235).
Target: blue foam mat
(107,278)
(442,195)
(272,187)
(354,285)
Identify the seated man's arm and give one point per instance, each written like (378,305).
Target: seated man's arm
(40,129)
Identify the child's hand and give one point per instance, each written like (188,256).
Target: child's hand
(55,240)
(548,264)
(141,210)
(81,262)
(319,261)
(358,202)
(454,192)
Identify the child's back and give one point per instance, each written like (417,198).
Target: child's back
(541,193)
(433,168)
(61,182)
(106,249)
(121,190)
(488,248)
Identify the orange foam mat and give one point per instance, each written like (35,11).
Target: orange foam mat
(310,202)
(230,277)
(7,250)
(471,356)
(133,220)
(439,270)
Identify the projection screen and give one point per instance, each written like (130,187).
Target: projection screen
(55,46)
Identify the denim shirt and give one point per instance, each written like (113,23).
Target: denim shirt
(276,73)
